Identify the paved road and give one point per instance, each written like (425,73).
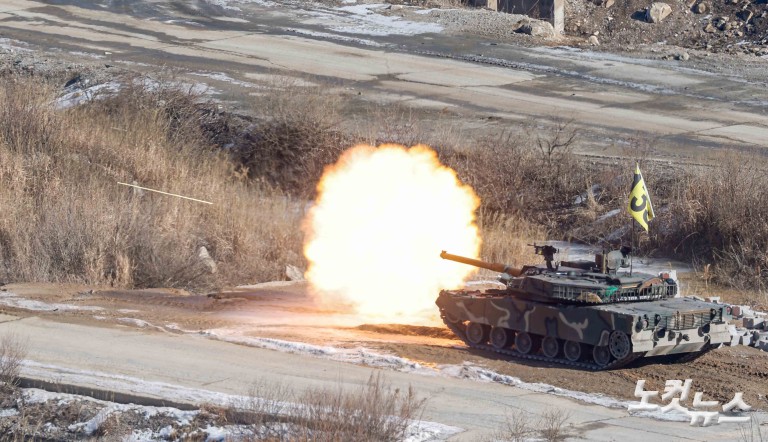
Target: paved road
(674,107)
(197,362)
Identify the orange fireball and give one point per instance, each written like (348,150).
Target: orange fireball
(374,235)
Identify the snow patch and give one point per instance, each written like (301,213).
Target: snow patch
(360,355)
(219,76)
(328,36)
(139,323)
(607,215)
(80,96)
(363,19)
(12,300)
(8,412)
(13,45)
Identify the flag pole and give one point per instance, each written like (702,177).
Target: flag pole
(632,246)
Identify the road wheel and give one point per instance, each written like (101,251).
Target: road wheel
(572,351)
(550,347)
(619,344)
(477,333)
(450,317)
(524,343)
(601,354)
(501,337)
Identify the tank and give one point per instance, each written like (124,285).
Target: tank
(588,314)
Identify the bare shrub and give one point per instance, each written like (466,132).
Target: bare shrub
(521,425)
(13,351)
(531,172)
(264,407)
(296,136)
(375,412)
(552,424)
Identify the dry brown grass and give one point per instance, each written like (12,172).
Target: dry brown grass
(716,216)
(64,218)
(506,239)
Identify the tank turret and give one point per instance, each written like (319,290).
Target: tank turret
(588,282)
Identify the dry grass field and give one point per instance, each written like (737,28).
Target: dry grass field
(64,218)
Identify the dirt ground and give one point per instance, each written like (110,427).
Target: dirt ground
(287,312)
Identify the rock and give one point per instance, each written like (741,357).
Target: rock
(657,12)
(136,190)
(683,57)
(206,260)
(293,273)
(700,8)
(535,28)
(593,40)
(709,29)
(608,3)
(745,15)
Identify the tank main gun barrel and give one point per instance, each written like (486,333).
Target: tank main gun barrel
(492,266)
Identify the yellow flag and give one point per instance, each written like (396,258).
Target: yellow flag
(640,201)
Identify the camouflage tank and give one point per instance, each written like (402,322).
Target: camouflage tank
(582,313)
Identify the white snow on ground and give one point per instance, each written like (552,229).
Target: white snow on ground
(607,215)
(223,434)
(226,4)
(358,355)
(12,300)
(139,323)
(13,45)
(87,54)
(419,430)
(219,76)
(37,396)
(364,19)
(351,18)
(8,412)
(80,96)
(328,36)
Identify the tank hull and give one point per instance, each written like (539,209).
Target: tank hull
(582,335)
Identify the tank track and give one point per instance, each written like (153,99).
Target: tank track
(508,352)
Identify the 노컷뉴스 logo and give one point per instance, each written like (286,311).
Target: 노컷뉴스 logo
(676,391)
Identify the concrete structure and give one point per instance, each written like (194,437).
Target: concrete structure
(552,11)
